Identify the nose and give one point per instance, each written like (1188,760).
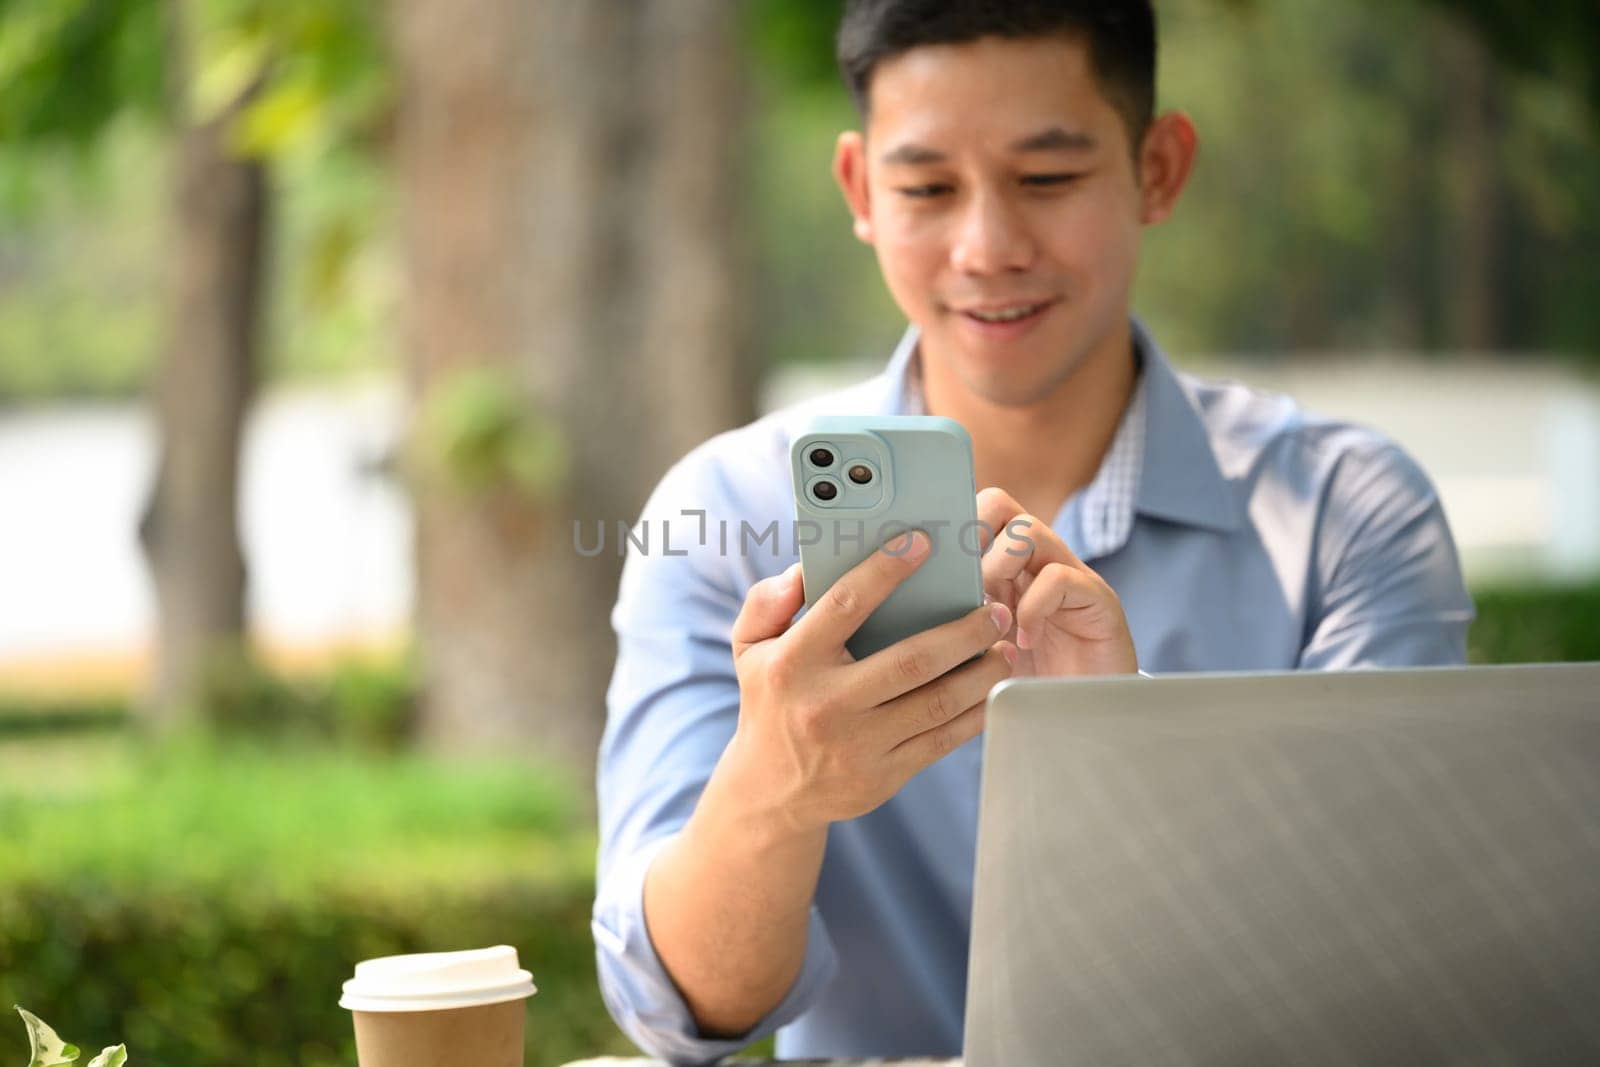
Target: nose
(991,237)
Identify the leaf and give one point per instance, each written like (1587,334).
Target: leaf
(226,65)
(287,112)
(487,436)
(48,1049)
(110,1056)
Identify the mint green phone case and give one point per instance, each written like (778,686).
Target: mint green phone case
(919,477)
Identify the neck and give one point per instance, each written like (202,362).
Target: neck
(1043,451)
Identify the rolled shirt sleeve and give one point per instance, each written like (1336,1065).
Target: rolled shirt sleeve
(1388,583)
(672,707)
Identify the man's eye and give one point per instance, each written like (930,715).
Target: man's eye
(924,192)
(1048,180)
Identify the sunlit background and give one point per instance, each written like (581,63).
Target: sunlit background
(351,309)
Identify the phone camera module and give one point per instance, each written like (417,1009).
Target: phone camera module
(861,474)
(825,491)
(822,457)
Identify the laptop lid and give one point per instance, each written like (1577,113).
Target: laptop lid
(1367,867)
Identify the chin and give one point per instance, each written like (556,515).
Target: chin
(1010,387)
(1015,394)
(1020,379)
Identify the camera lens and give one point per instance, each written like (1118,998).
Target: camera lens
(861,474)
(821,457)
(824,490)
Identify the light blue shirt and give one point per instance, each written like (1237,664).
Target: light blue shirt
(1239,533)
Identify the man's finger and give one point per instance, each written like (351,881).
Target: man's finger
(920,658)
(996,507)
(1016,533)
(1026,546)
(769,607)
(933,745)
(933,705)
(1010,554)
(1068,598)
(839,612)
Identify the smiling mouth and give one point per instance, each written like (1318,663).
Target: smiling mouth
(1014,313)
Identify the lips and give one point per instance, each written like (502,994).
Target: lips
(1005,321)
(1007,312)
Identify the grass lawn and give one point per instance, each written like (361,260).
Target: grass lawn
(295,819)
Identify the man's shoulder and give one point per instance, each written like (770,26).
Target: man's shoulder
(1259,434)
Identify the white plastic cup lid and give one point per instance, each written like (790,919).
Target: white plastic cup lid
(431,981)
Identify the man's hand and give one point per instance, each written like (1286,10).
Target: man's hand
(823,737)
(1069,621)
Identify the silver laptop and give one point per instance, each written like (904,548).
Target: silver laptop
(1377,867)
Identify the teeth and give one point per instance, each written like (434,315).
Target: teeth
(1010,315)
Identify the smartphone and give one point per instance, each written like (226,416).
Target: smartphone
(862,480)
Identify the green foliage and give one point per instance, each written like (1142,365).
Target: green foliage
(67,67)
(366,705)
(1536,625)
(1326,206)
(82,247)
(819,296)
(1556,40)
(201,899)
(1320,214)
(48,1050)
(482,434)
(111,1056)
(280,821)
(315,71)
(792,41)
(199,976)
(27,718)
(315,80)
(80,308)
(45,1047)
(311,68)
(198,898)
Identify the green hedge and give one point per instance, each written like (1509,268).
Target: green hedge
(28,718)
(1537,624)
(210,977)
(203,900)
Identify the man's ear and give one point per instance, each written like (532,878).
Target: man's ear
(1165,161)
(850,171)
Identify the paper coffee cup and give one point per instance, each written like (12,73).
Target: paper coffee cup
(435,1009)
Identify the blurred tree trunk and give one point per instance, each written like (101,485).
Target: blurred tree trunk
(1471,183)
(568,190)
(203,388)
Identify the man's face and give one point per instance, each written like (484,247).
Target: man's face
(997,185)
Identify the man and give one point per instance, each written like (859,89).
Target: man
(788,834)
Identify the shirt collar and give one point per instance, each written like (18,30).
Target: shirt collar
(902,393)
(1179,480)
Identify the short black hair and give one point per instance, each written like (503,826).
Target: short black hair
(1121,38)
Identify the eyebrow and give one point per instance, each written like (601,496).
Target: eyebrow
(1054,139)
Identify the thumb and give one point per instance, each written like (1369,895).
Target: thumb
(769,607)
